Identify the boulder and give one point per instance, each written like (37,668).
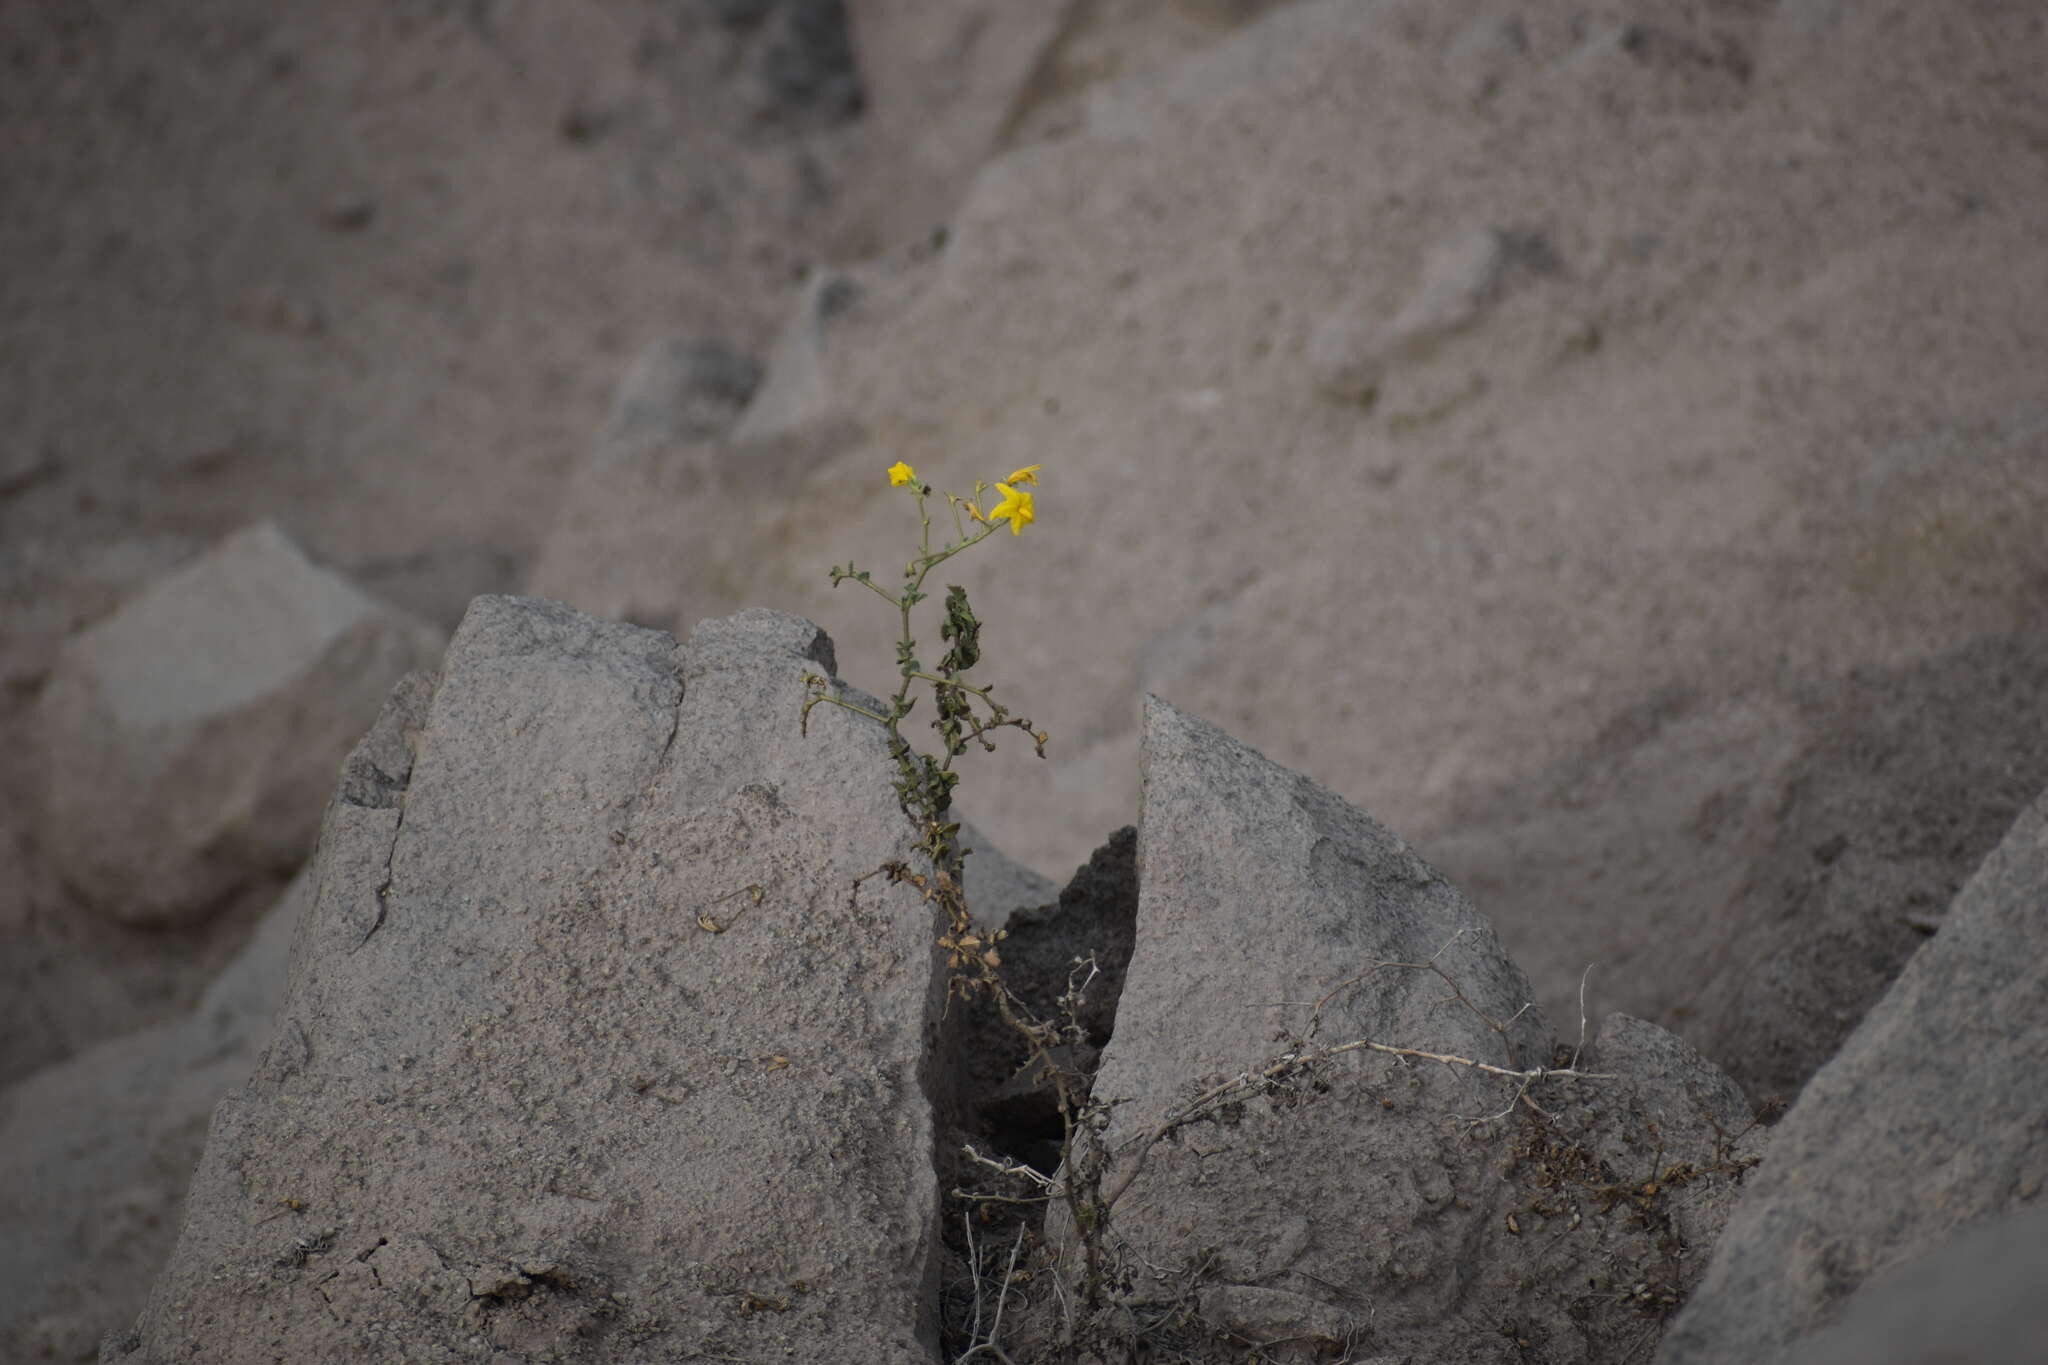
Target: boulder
(680,388)
(796,419)
(1929,1119)
(1354,348)
(604,1039)
(1298,1153)
(189,740)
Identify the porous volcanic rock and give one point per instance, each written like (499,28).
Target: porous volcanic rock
(601,1039)
(1272,1173)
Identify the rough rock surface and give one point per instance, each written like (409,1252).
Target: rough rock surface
(586,944)
(592,1045)
(1367,1204)
(1930,1118)
(189,740)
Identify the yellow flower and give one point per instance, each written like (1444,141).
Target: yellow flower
(973,511)
(1028,474)
(1016,506)
(900,474)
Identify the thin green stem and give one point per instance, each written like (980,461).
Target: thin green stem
(827,699)
(981,692)
(872,586)
(901,702)
(914,574)
(938,557)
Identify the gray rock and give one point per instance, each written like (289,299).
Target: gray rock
(1366,1200)
(1691,1103)
(1261,891)
(1977,1301)
(1928,1119)
(190,738)
(594,1044)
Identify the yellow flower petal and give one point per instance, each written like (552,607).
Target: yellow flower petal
(1028,474)
(900,474)
(975,512)
(1016,506)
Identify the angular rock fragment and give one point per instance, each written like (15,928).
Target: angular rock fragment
(190,738)
(1298,1154)
(1930,1118)
(602,1041)
(997,887)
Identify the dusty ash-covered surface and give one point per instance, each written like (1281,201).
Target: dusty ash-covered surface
(1373,1204)
(1605,443)
(519,1104)
(369,270)
(375,271)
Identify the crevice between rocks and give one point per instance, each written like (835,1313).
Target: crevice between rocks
(1000,1105)
(990,1096)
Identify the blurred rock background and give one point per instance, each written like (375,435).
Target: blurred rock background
(1606,442)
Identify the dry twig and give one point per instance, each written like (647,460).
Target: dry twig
(1302,1057)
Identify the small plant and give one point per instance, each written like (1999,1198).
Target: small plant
(925,784)
(925,781)
(1090,1179)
